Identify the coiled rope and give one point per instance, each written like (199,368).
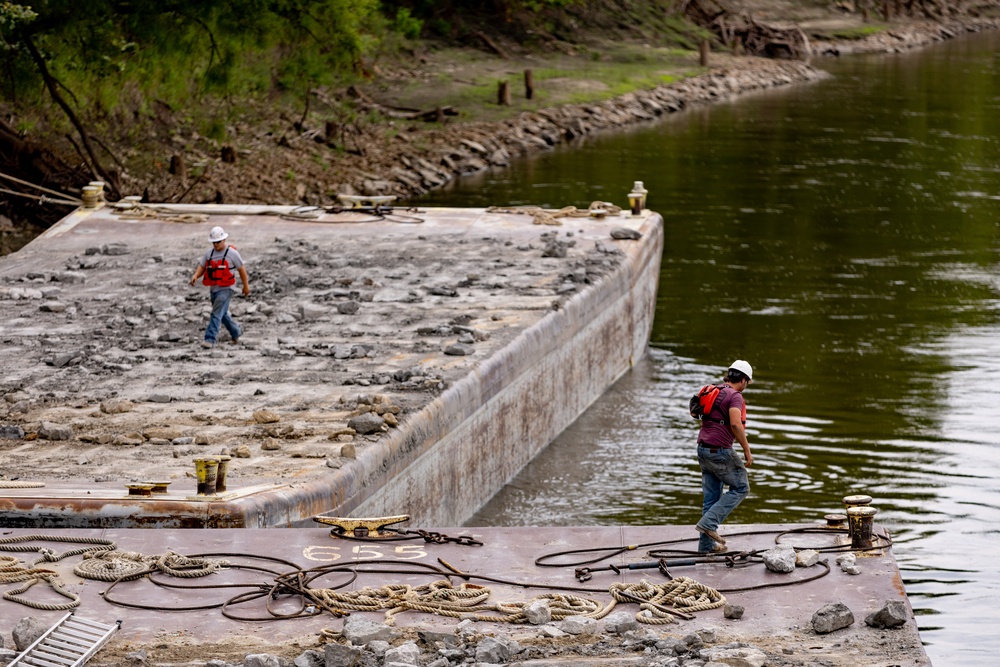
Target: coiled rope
(11,571)
(542,216)
(471,601)
(126,565)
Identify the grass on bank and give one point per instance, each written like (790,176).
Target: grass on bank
(469,81)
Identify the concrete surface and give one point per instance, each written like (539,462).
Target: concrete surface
(103,381)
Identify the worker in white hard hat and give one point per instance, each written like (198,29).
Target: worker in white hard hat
(720,465)
(217,266)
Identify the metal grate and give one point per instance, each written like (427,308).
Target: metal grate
(69,643)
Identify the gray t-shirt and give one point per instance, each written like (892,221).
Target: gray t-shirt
(233,259)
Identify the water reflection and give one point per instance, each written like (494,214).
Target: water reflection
(841,236)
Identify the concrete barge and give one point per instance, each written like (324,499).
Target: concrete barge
(182,620)
(465,339)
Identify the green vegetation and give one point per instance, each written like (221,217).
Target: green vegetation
(860,32)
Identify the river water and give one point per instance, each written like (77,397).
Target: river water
(841,236)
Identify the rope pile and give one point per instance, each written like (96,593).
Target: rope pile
(126,565)
(543,216)
(11,571)
(470,601)
(142,212)
(682,593)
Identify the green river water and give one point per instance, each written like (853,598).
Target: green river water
(841,236)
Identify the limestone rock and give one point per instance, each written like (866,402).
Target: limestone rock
(339,655)
(780,558)
(266,416)
(359,630)
(116,406)
(737,657)
(26,631)
(891,615)
(495,650)
(407,654)
(620,622)
(832,617)
(538,612)
(626,234)
(261,660)
(50,431)
(578,625)
(806,558)
(733,611)
(366,423)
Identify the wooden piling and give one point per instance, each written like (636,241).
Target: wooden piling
(503,94)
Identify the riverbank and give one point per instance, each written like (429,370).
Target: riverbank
(375,149)
(409,158)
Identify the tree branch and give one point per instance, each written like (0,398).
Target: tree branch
(53,87)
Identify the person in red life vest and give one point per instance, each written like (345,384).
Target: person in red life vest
(217,267)
(720,465)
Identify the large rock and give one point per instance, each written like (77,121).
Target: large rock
(407,654)
(11,432)
(366,423)
(780,559)
(578,625)
(832,617)
(538,612)
(736,657)
(358,630)
(261,660)
(115,406)
(620,622)
(339,655)
(495,650)
(50,431)
(26,631)
(892,615)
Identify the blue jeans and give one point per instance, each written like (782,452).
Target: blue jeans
(725,467)
(220,315)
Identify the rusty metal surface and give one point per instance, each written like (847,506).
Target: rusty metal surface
(508,553)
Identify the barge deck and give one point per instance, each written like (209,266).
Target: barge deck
(391,359)
(776,621)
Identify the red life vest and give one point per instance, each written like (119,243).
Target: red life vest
(218,273)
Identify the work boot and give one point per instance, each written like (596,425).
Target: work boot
(207,344)
(716,549)
(711,533)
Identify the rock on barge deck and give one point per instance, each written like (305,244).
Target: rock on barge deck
(412,360)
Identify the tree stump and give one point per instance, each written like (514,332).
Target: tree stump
(228,154)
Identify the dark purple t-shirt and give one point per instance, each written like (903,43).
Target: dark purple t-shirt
(713,433)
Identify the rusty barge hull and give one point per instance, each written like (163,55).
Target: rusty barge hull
(486,334)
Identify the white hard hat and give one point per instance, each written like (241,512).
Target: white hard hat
(742,367)
(217,234)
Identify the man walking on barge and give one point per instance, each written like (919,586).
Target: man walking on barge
(217,266)
(724,424)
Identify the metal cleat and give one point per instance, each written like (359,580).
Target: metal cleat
(371,528)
